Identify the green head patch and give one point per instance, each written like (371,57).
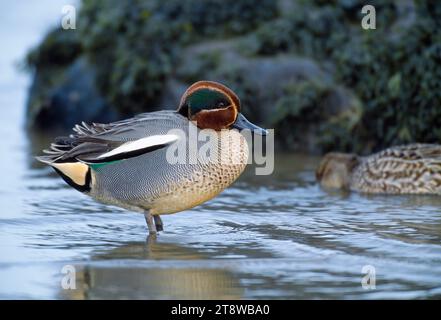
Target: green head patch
(206,99)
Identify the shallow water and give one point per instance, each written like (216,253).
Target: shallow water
(277,236)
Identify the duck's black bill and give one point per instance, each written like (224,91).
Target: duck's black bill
(242,123)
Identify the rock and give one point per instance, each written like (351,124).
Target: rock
(63,98)
(305,68)
(258,81)
(172,93)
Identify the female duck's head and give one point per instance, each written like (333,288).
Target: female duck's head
(335,170)
(214,106)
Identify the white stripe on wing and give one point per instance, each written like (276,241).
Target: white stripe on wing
(140,144)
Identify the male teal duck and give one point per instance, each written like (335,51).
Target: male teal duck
(126,163)
(408,169)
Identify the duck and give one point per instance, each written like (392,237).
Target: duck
(130,163)
(406,169)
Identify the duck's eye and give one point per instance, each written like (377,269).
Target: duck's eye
(221,104)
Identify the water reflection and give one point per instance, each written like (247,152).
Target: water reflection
(147,280)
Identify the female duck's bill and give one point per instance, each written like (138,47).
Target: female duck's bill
(242,123)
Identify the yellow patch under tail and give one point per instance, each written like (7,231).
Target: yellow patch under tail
(75,171)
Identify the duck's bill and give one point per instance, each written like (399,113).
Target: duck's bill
(242,123)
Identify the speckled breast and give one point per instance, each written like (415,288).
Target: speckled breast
(208,178)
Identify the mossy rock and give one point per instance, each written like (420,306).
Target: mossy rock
(316,116)
(59,100)
(259,81)
(385,83)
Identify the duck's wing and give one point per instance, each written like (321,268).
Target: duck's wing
(95,145)
(99,143)
(414,168)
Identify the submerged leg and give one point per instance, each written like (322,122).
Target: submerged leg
(158,223)
(150,242)
(150,224)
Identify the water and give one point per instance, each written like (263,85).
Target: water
(277,236)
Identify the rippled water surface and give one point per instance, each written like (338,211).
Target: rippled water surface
(277,236)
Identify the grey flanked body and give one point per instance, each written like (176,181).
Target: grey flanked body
(151,182)
(160,162)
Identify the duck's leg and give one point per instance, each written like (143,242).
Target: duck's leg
(150,223)
(150,241)
(158,223)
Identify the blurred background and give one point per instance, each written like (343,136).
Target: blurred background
(305,68)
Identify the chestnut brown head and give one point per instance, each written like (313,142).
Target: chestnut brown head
(212,105)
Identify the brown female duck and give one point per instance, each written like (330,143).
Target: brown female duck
(408,169)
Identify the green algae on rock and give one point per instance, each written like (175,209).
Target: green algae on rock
(301,59)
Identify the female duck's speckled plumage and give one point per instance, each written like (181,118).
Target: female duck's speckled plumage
(126,163)
(408,169)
